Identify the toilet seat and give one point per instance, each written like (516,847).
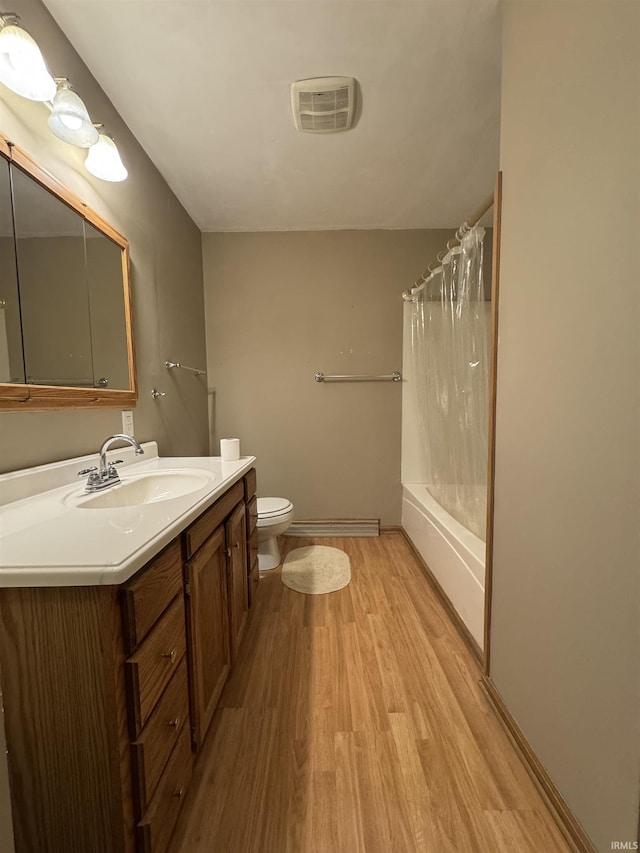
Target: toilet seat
(273,508)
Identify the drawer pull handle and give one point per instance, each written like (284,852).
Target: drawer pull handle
(179,794)
(174,723)
(172,655)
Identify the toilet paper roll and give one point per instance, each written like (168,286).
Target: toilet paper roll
(230,449)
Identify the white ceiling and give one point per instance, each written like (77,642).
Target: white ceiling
(204,86)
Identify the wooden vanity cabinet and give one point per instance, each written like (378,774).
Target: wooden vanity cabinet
(237,576)
(153,626)
(149,592)
(216,573)
(106,689)
(208,640)
(62,663)
(150,751)
(251,501)
(155,829)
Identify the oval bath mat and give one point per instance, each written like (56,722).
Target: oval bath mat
(316,569)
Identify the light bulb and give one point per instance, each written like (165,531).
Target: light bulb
(71,122)
(103,160)
(69,119)
(21,60)
(22,68)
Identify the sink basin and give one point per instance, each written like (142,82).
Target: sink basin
(148,488)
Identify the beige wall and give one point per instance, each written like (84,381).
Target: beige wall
(166,261)
(281,306)
(565,627)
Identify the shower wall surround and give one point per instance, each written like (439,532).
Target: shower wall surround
(444,426)
(450,324)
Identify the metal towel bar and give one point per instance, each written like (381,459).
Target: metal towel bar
(365,377)
(170,364)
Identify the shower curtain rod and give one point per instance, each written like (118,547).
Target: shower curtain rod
(455,241)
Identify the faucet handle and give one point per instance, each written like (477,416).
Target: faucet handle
(87,471)
(111,473)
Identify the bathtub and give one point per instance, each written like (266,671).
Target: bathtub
(455,555)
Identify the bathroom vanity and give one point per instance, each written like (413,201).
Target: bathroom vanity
(119,623)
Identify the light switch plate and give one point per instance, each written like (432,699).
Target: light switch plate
(127,422)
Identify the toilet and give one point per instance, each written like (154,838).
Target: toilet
(274,517)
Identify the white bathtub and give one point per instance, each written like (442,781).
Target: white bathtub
(455,556)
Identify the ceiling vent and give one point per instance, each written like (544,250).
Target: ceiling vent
(323,104)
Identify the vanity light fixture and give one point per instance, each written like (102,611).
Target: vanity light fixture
(103,160)
(22,68)
(69,119)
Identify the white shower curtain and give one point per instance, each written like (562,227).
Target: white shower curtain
(450,344)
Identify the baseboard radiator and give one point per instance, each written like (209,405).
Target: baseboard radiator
(335,527)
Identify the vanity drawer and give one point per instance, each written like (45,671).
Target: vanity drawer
(201,529)
(252,515)
(149,753)
(250,484)
(155,828)
(145,598)
(148,670)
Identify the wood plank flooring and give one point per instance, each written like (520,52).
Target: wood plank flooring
(354,723)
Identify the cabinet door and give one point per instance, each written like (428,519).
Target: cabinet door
(207,630)
(252,547)
(236,532)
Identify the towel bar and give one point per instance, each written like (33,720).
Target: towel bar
(364,377)
(170,364)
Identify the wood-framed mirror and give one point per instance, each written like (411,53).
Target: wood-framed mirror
(66,333)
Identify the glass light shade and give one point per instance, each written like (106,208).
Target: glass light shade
(103,160)
(70,120)
(22,67)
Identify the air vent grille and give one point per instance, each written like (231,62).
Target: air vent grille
(323,104)
(319,102)
(336,121)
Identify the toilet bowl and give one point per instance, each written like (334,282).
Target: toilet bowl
(274,517)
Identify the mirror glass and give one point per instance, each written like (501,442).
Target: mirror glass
(65,314)
(106,310)
(11,357)
(52,275)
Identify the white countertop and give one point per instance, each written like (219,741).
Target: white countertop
(48,539)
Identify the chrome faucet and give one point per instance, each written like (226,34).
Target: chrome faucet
(106,475)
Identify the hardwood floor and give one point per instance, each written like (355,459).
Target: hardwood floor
(354,723)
